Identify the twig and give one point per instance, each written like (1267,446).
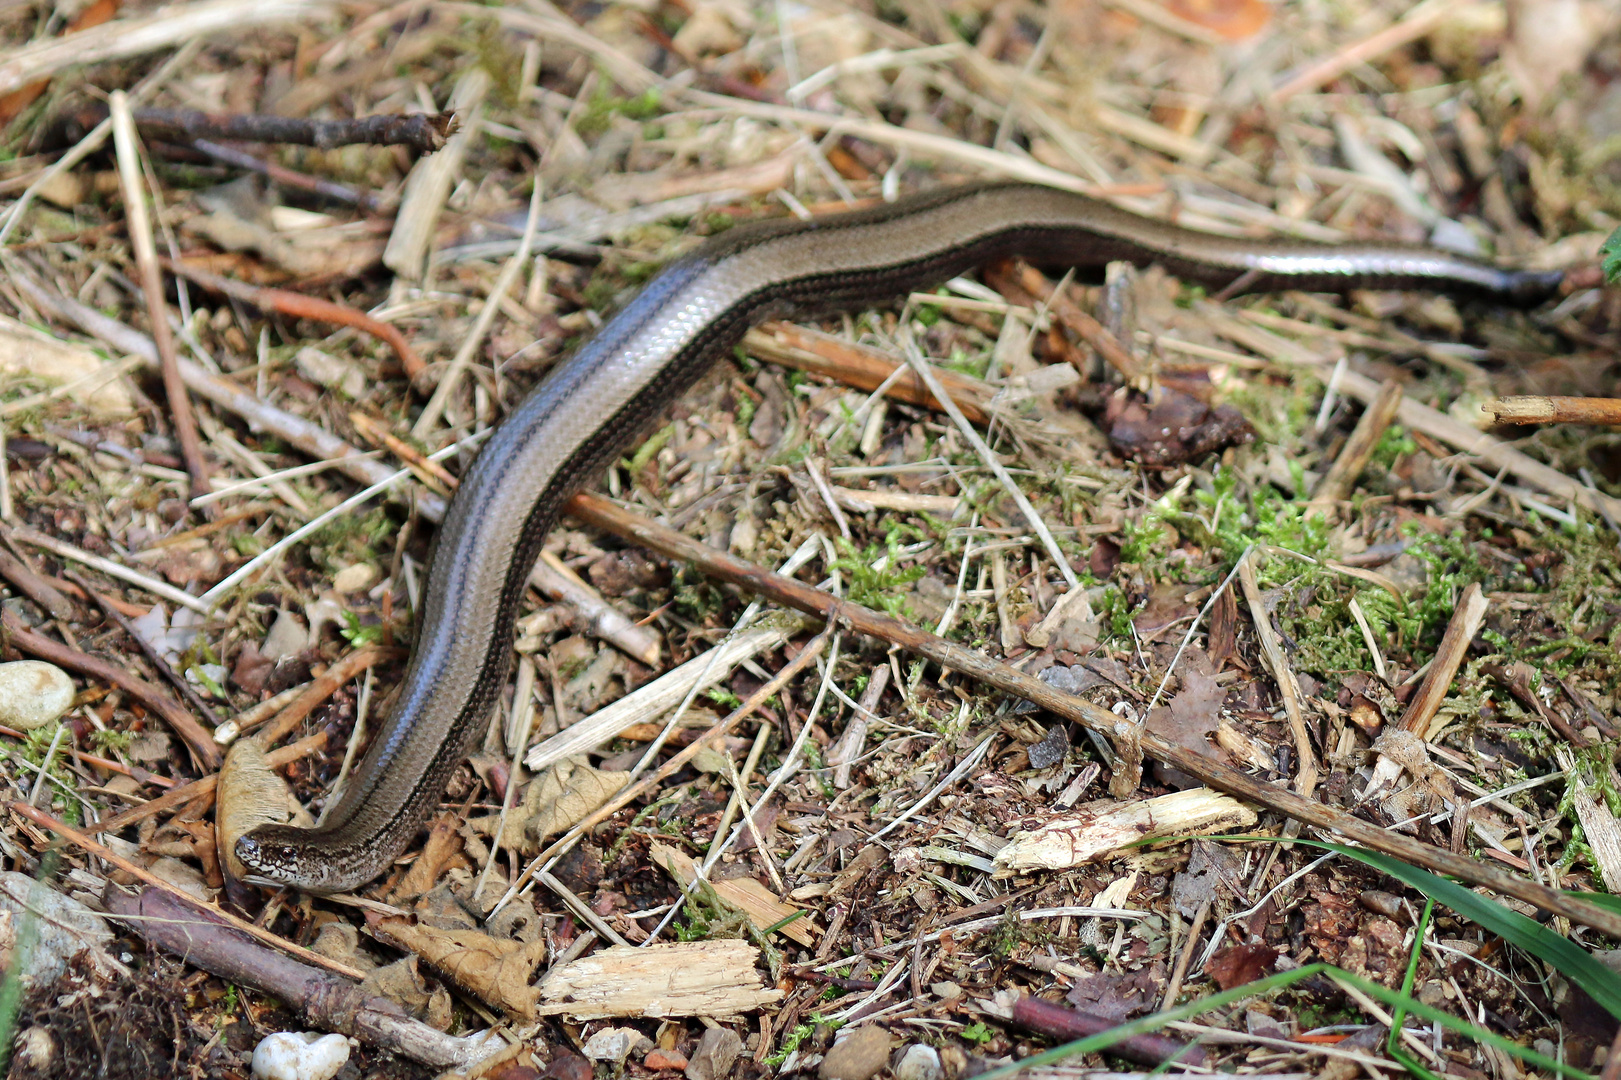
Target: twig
(212,941)
(315,185)
(1282,673)
(200,742)
(298,306)
(1064,1024)
(1336,485)
(319,690)
(861,367)
(423,132)
(1449,656)
(157,308)
(1419,20)
(718,564)
(175,679)
(1537,409)
(65,550)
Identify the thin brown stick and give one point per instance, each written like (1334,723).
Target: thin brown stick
(1449,657)
(604,515)
(204,789)
(34,586)
(173,677)
(157,308)
(1537,409)
(321,689)
(861,367)
(106,854)
(296,305)
(1335,487)
(1024,278)
(199,741)
(1283,674)
(1420,20)
(424,132)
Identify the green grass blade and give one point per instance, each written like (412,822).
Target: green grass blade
(1568,958)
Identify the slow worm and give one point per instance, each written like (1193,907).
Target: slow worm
(595,403)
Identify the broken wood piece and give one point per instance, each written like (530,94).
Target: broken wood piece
(1539,409)
(1101,829)
(667,979)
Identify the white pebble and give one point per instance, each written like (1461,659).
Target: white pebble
(33,693)
(299,1055)
(919,1062)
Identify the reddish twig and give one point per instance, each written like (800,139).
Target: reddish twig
(298,306)
(1064,1025)
(321,689)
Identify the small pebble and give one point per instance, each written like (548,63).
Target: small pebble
(717,1049)
(858,1056)
(614,1044)
(354,578)
(919,1062)
(300,1055)
(33,693)
(664,1059)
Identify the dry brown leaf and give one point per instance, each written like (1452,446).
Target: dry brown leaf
(491,969)
(444,842)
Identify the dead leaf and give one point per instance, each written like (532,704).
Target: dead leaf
(1241,964)
(1118,998)
(494,970)
(1175,429)
(444,843)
